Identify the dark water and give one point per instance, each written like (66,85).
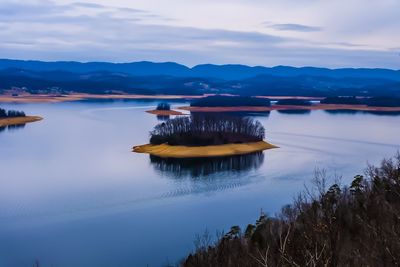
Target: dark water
(72,193)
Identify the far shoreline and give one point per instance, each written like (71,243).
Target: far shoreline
(19,120)
(51,98)
(290,107)
(169,151)
(45,98)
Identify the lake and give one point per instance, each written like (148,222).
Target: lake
(73,194)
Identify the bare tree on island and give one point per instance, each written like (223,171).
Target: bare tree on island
(11,113)
(163,106)
(200,130)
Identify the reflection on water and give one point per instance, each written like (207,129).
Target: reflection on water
(198,167)
(12,127)
(341,111)
(295,111)
(383,113)
(163,117)
(253,113)
(16,126)
(350,111)
(238,113)
(82,192)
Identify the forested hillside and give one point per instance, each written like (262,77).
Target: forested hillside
(172,78)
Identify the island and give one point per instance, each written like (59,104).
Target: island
(294,102)
(164,109)
(13,117)
(342,100)
(230,101)
(201,136)
(378,101)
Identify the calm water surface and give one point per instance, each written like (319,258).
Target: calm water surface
(73,195)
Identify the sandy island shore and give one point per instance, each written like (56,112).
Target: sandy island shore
(168,151)
(19,120)
(164,112)
(290,107)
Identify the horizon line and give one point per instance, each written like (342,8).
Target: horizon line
(191,67)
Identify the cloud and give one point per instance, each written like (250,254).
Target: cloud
(87,5)
(93,32)
(293,27)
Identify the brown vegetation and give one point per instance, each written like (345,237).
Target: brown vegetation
(357,225)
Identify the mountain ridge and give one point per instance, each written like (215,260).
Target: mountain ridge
(172,78)
(226,71)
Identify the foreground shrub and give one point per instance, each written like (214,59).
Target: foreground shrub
(357,225)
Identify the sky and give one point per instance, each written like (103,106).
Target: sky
(323,33)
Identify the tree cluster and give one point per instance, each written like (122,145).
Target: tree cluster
(294,102)
(383,101)
(370,101)
(11,113)
(230,101)
(163,106)
(342,100)
(358,225)
(202,130)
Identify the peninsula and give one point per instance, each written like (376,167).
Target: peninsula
(14,117)
(18,120)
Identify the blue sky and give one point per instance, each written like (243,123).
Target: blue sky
(340,33)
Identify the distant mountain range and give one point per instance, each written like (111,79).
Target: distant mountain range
(173,78)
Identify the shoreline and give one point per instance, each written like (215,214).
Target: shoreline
(165,112)
(168,151)
(19,120)
(44,98)
(290,107)
(48,98)
(311,98)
